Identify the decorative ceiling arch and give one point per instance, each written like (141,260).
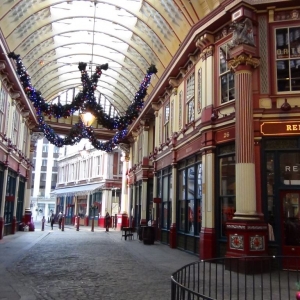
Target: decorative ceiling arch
(53,36)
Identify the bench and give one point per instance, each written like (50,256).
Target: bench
(127,232)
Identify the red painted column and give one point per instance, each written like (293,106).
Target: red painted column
(246,233)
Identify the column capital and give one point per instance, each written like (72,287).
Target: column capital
(243,60)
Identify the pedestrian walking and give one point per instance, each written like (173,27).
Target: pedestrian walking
(52,218)
(107,221)
(60,216)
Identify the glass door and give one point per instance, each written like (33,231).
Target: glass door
(290,204)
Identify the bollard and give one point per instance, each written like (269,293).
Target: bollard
(63,223)
(93,220)
(43,223)
(77,225)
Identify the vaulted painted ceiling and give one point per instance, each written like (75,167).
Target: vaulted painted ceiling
(53,36)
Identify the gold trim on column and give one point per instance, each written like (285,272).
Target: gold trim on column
(243,59)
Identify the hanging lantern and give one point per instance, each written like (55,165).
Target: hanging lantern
(87,118)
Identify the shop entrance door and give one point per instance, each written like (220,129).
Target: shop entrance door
(290,208)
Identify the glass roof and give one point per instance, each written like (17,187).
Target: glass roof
(53,36)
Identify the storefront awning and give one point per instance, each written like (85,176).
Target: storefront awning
(77,190)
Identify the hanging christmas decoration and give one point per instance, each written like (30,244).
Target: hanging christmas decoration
(84,101)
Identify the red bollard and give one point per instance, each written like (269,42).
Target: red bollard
(77,225)
(43,223)
(63,223)
(1,228)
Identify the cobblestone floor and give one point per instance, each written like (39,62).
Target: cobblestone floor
(95,265)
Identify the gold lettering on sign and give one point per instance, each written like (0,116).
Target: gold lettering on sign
(226,135)
(293,127)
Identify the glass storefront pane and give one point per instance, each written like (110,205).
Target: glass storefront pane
(227,175)
(270,173)
(165,215)
(182,215)
(199,217)
(191,216)
(181,184)
(165,188)
(227,212)
(290,168)
(191,183)
(199,181)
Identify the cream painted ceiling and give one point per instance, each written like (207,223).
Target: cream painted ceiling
(53,36)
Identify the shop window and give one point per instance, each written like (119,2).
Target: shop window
(166,199)
(288,59)
(225,75)
(227,190)
(290,168)
(190,197)
(190,98)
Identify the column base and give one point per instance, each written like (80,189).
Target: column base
(246,238)
(173,236)
(207,243)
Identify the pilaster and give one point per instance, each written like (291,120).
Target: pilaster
(246,234)
(207,234)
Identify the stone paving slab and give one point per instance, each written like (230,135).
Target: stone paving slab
(85,265)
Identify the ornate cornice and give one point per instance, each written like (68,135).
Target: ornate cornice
(243,59)
(207,52)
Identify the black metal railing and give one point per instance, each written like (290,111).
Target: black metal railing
(251,277)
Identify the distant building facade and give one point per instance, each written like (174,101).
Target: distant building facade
(89,184)
(44,178)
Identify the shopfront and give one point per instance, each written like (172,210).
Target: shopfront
(281,185)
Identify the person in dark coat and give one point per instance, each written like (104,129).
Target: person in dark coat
(52,221)
(60,217)
(107,221)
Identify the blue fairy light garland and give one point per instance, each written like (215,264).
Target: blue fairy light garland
(84,100)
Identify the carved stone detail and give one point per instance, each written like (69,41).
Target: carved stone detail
(242,33)
(207,52)
(174,91)
(243,59)
(124,147)
(173,82)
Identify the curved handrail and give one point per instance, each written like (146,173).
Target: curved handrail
(260,277)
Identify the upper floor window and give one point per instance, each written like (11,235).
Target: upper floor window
(167,121)
(44,162)
(45,148)
(288,59)
(226,76)
(15,131)
(190,97)
(3,100)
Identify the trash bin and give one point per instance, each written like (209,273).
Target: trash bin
(148,235)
